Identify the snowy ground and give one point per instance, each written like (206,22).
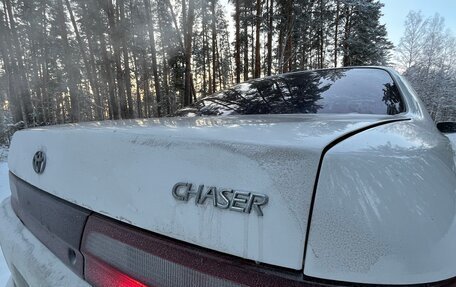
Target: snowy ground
(4,192)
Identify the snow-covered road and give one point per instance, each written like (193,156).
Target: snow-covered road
(4,192)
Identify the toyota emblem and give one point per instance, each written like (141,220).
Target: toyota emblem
(39,162)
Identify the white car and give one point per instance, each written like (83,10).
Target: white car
(318,178)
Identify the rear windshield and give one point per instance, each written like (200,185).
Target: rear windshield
(338,91)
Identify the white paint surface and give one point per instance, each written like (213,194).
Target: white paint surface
(385,209)
(452,138)
(374,259)
(126,170)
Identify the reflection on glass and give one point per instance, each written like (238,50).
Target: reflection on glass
(363,91)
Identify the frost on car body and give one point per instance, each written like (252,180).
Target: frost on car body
(327,169)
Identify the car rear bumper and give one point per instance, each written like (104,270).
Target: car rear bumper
(33,264)
(30,262)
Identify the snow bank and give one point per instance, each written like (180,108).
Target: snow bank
(4,192)
(3,153)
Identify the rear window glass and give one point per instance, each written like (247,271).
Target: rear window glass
(363,91)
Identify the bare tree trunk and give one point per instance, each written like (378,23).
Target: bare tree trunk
(246,45)
(252,36)
(205,47)
(103,93)
(44,84)
(237,54)
(5,48)
(60,104)
(321,37)
(210,68)
(280,49)
(134,16)
(90,75)
(99,101)
(138,113)
(44,71)
(167,96)
(257,72)
(145,80)
(126,60)
(336,33)
(24,96)
(166,83)
(154,56)
(288,55)
(288,49)
(109,79)
(176,26)
(70,69)
(270,30)
(188,97)
(347,32)
(214,47)
(36,88)
(219,66)
(210,71)
(115,41)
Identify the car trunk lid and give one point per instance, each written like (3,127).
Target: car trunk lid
(126,170)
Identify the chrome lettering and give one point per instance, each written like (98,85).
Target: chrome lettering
(196,193)
(177,195)
(211,192)
(222,198)
(258,201)
(238,203)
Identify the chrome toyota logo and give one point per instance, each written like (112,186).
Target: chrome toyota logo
(39,162)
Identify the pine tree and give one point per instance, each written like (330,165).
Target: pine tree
(65,61)
(365,41)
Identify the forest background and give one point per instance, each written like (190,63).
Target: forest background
(64,61)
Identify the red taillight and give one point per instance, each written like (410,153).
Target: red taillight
(100,274)
(117,254)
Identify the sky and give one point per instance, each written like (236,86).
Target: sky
(395,11)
